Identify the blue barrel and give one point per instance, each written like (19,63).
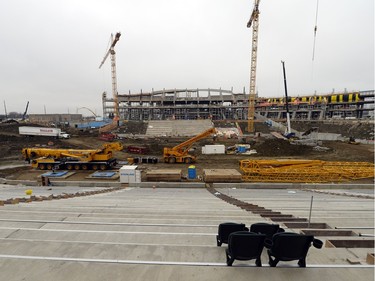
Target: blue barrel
(192,172)
(241,149)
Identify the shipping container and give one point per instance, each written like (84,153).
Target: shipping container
(213,149)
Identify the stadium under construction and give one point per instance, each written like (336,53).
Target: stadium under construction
(218,104)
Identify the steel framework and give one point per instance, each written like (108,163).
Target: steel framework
(254,21)
(304,171)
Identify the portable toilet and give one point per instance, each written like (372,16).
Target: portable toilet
(130,174)
(192,172)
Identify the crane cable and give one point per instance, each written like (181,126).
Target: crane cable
(315,28)
(313,52)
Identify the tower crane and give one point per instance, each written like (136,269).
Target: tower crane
(111,51)
(253,21)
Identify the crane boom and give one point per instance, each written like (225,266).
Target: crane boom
(254,22)
(24,114)
(111,51)
(88,110)
(180,153)
(111,48)
(77,159)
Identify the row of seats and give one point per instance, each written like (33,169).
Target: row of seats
(247,244)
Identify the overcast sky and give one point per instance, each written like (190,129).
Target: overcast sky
(51,50)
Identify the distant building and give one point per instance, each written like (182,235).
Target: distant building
(55,118)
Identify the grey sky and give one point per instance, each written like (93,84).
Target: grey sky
(51,50)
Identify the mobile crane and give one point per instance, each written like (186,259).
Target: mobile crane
(180,153)
(73,159)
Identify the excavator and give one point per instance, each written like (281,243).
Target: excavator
(180,153)
(73,159)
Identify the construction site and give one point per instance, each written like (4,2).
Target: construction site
(192,184)
(87,220)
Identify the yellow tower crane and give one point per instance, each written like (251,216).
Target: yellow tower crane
(111,51)
(253,21)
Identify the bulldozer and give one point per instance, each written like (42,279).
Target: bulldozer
(73,159)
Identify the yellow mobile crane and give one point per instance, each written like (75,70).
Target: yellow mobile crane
(73,159)
(180,153)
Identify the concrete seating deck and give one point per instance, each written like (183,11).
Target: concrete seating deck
(163,234)
(176,128)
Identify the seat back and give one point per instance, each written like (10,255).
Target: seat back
(290,246)
(265,228)
(225,229)
(245,245)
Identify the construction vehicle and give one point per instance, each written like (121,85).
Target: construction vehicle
(108,136)
(352,141)
(73,159)
(180,153)
(137,149)
(43,131)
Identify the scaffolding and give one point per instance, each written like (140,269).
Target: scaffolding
(219,104)
(304,171)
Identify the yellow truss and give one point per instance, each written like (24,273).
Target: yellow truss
(304,171)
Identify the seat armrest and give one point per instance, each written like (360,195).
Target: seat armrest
(268,243)
(317,243)
(280,230)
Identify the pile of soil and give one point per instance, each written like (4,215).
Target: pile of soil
(133,127)
(11,145)
(358,130)
(278,147)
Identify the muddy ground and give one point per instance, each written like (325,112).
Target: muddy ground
(11,144)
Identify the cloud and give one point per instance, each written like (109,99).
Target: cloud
(51,50)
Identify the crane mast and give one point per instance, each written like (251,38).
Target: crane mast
(112,52)
(254,22)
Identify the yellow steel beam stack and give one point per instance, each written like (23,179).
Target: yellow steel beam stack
(305,171)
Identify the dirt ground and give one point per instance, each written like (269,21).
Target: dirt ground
(11,144)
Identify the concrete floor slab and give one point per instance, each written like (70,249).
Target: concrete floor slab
(36,270)
(165,234)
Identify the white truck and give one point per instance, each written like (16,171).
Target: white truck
(43,131)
